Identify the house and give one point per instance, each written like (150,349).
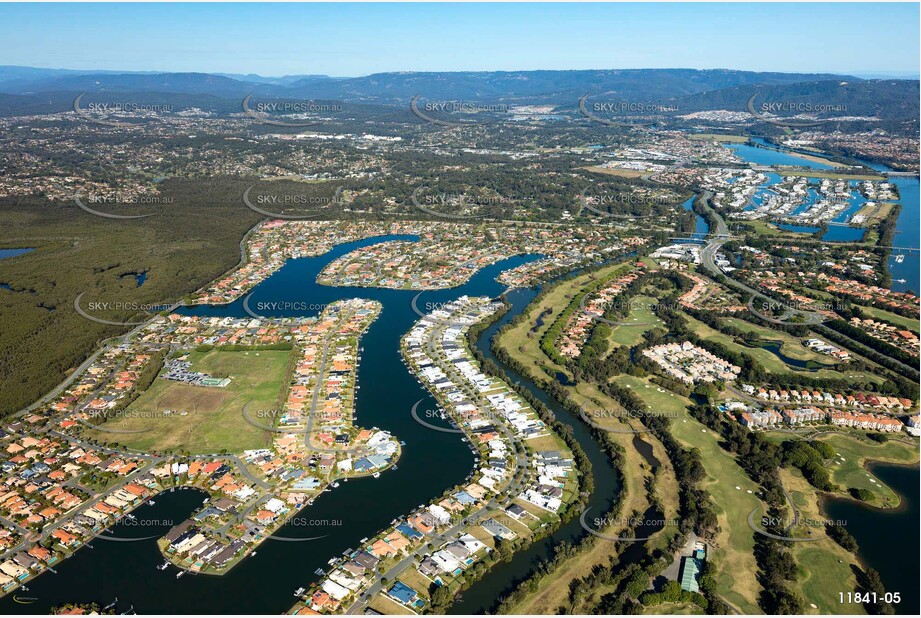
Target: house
(403,593)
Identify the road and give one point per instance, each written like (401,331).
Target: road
(514,487)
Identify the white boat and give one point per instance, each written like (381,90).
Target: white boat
(151,502)
(376,475)
(180,574)
(130,516)
(163,566)
(299,592)
(900,258)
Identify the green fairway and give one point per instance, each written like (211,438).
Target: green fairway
(848,469)
(824,566)
(911,324)
(214,416)
(640,319)
(770,361)
(735,542)
(790,345)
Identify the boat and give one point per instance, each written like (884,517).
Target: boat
(253,554)
(299,592)
(376,475)
(151,503)
(130,517)
(900,258)
(180,574)
(900,280)
(335,484)
(163,566)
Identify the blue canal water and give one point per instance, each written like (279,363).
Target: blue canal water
(701,227)
(264,583)
(8,253)
(906,275)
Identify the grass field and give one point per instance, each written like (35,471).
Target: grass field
(790,345)
(734,544)
(673,609)
(717,137)
(641,313)
(824,566)
(554,589)
(848,468)
(215,418)
(909,323)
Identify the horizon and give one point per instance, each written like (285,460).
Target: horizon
(355,40)
(865,75)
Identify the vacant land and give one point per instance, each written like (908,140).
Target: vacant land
(611,171)
(717,137)
(213,417)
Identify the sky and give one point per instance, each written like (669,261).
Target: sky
(360,39)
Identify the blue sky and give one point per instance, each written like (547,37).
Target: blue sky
(358,39)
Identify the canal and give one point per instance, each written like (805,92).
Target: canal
(264,583)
